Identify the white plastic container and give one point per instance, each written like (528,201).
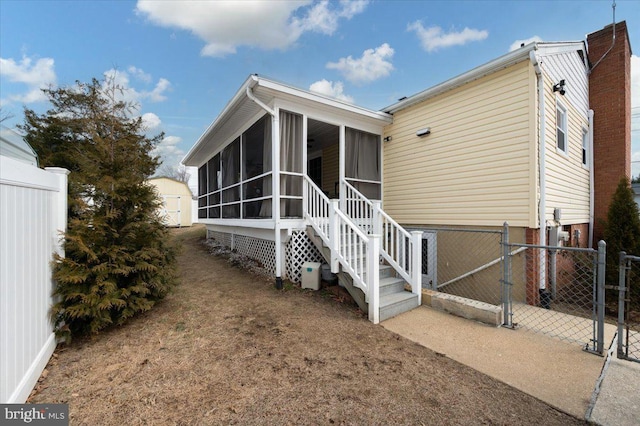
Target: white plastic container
(310,275)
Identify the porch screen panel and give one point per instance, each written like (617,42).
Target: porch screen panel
(265,206)
(362,162)
(213,187)
(202,190)
(290,161)
(230,179)
(256,161)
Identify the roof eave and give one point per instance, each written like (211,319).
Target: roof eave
(497,64)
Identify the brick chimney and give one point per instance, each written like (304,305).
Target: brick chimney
(610,100)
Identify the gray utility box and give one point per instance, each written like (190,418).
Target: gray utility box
(310,275)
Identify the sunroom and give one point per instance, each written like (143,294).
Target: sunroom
(278,160)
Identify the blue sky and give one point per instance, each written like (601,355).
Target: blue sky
(183,61)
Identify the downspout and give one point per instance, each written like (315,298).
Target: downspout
(591,179)
(275,181)
(261,104)
(542,205)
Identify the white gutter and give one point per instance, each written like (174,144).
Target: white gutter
(542,204)
(591,189)
(262,105)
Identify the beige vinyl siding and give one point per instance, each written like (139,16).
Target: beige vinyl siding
(567,180)
(330,169)
(474,167)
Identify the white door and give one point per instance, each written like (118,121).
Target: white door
(429,260)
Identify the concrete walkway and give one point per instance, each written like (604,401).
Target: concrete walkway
(556,372)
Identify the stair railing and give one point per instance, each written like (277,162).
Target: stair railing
(350,247)
(400,248)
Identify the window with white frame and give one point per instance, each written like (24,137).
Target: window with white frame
(562,140)
(585,148)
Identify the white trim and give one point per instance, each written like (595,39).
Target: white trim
(563,126)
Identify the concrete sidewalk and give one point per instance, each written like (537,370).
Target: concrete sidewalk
(556,372)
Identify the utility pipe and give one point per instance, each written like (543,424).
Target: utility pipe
(542,168)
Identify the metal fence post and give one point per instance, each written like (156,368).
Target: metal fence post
(622,287)
(602,262)
(506,278)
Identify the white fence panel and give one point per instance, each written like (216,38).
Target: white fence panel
(33,213)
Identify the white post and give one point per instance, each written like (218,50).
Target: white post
(416,264)
(60,207)
(376,220)
(342,162)
(373,276)
(275,181)
(334,235)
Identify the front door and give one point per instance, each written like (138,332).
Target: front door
(429,260)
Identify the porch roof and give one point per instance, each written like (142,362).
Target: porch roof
(242,108)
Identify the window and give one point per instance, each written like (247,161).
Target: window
(561,129)
(585,148)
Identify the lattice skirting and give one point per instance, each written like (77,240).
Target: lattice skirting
(264,251)
(299,249)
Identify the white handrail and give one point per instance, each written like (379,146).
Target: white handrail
(351,247)
(400,248)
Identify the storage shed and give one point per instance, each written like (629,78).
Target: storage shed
(176,201)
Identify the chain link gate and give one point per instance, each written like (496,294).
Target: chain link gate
(555,290)
(629,308)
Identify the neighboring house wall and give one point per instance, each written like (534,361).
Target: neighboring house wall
(33,207)
(610,99)
(477,167)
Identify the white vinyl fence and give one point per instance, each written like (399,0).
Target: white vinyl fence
(33,213)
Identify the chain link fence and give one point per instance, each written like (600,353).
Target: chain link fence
(464,262)
(557,291)
(629,308)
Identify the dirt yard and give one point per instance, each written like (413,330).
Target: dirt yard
(226,347)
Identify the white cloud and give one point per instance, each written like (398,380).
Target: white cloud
(35,75)
(331,89)
(518,43)
(150,121)
(373,64)
(157,94)
(169,151)
(225,25)
(434,38)
(139,74)
(129,93)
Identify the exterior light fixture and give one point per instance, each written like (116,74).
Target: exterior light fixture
(423,132)
(559,87)
(387,139)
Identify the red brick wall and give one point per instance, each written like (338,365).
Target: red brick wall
(610,99)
